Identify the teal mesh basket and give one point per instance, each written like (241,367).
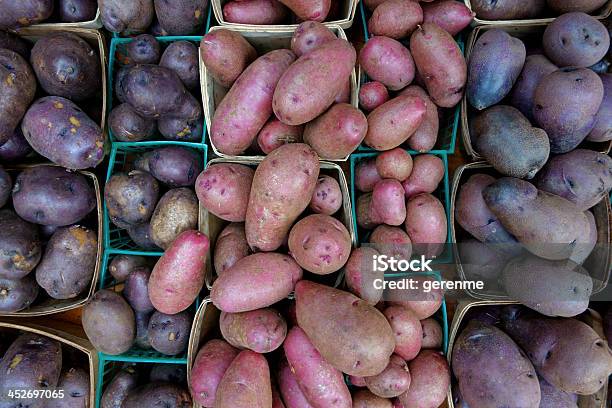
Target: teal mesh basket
(442,193)
(120,159)
(449,117)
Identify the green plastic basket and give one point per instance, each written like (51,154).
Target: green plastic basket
(449,118)
(442,193)
(121,154)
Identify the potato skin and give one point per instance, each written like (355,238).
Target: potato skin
(315,10)
(144,49)
(182,57)
(289,387)
(246,108)
(308,36)
(119,388)
(427,172)
(24,13)
(388,202)
(211,363)
(327,198)
(181,17)
(553,397)
(440,63)
(366,216)
(395,19)
(274,206)
(169,334)
(396,72)
(230,247)
(180,271)
(15,43)
(391,241)
(120,17)
(67,66)
(508,9)
(310,85)
(393,381)
(70,123)
(175,166)
(360,278)
(261,331)
(393,122)
(75,383)
(365,344)
(407,330)
(17,294)
(366,175)
(536,67)
(20,246)
(372,95)
(394,164)
(275,134)
(365,399)
(15,148)
(75,11)
(432,334)
(426,224)
(136,290)
(128,126)
(181,129)
(426,136)
(247,368)
(260,12)
(450,15)
(170,395)
(226,54)
(51,195)
(131,198)
(603,120)
(223,189)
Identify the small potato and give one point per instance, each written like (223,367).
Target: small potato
(430,380)
(119,387)
(231,246)
(365,399)
(426,224)
(20,246)
(360,275)
(366,175)
(426,136)
(432,334)
(308,36)
(372,95)
(391,241)
(128,126)
(451,15)
(184,17)
(327,197)
(320,244)
(77,11)
(120,17)
(427,172)
(144,49)
(175,166)
(182,58)
(169,334)
(508,9)
(602,132)
(262,330)
(211,363)
(395,19)
(393,381)
(407,329)
(17,294)
(396,72)
(226,54)
(336,133)
(388,202)
(275,134)
(131,198)
(141,235)
(424,304)
(259,12)
(223,189)
(136,290)
(394,164)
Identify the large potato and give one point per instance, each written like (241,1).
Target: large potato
(17,294)
(131,17)
(176,212)
(395,19)
(175,166)
(536,67)
(282,188)
(261,330)
(20,246)
(223,189)
(260,12)
(387,61)
(24,13)
(226,54)
(231,246)
(181,17)
(508,9)
(364,345)
(602,131)
(246,383)
(426,224)
(131,198)
(209,366)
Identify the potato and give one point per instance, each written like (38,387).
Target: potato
(169,334)
(452,16)
(133,17)
(20,246)
(178,276)
(586,6)
(508,9)
(393,122)
(120,83)
(394,164)
(184,130)
(142,330)
(395,19)
(327,197)
(144,49)
(128,126)
(245,109)
(175,166)
(17,294)
(51,195)
(536,67)
(575,40)
(182,57)
(565,105)
(66,65)
(173,373)
(181,17)
(388,202)
(426,224)
(427,172)
(226,54)
(231,246)
(566,352)
(372,95)
(75,383)
(440,63)
(255,281)
(246,383)
(365,399)
(393,381)
(31,363)
(357,381)
(310,85)
(360,276)
(131,198)
(396,72)
(223,189)
(136,290)
(603,119)
(15,43)
(366,342)
(273,207)
(495,64)
(581,176)
(555,398)
(485,358)
(423,304)
(170,395)
(76,11)
(309,10)
(119,387)
(366,175)
(547,225)
(432,334)
(336,133)
(425,137)
(260,12)
(211,363)
(25,13)
(430,380)
(391,241)
(108,321)
(275,134)
(366,216)
(408,333)
(289,388)
(141,235)
(16,148)
(308,36)
(261,331)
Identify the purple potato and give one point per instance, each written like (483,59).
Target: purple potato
(128,126)
(182,57)
(24,13)
(15,43)
(136,290)
(181,17)
(17,294)
(175,166)
(170,373)
(141,235)
(16,148)
(122,265)
(76,11)
(169,334)
(76,386)
(20,246)
(120,77)
(119,388)
(144,49)
(120,16)
(182,130)
(131,198)
(6,185)
(536,67)
(602,131)
(142,330)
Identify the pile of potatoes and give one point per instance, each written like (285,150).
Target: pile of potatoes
(15,14)
(39,363)
(526,9)
(154,91)
(284,96)
(48,239)
(410,84)
(272,12)
(136,386)
(509,356)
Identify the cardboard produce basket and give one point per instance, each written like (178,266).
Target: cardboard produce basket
(590,317)
(44,304)
(212,225)
(599,263)
(263,40)
(530,33)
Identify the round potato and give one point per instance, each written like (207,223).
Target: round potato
(275,134)
(127,125)
(121,266)
(398,69)
(393,381)
(394,164)
(372,95)
(176,212)
(395,19)
(182,58)
(131,198)
(144,49)
(175,166)
(226,54)
(17,294)
(224,188)
(327,197)
(169,334)
(261,330)
(308,36)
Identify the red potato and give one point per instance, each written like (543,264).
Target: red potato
(365,399)
(311,84)
(308,36)
(255,281)
(427,172)
(208,369)
(407,329)
(432,334)
(366,216)
(430,381)
(423,304)
(248,104)
(336,133)
(327,197)
(451,15)
(360,276)
(344,96)
(393,122)
(372,95)
(260,12)
(246,383)
(275,134)
(394,164)
(315,10)
(388,202)
(426,224)
(226,54)
(391,241)
(366,175)
(395,19)
(282,188)
(322,384)
(425,137)
(178,276)
(261,330)
(440,64)
(393,381)
(231,246)
(289,388)
(387,61)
